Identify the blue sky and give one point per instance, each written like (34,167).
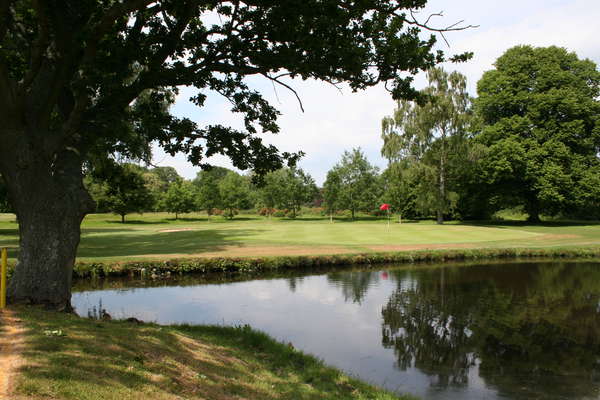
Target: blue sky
(334,121)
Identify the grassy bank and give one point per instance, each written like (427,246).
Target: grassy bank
(261,265)
(68,357)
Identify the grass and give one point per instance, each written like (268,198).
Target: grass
(68,357)
(157,236)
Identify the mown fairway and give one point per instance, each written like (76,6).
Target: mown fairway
(159,236)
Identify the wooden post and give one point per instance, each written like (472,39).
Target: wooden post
(3,268)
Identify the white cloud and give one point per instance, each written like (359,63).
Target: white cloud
(334,122)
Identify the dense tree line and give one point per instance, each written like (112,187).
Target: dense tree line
(128,188)
(530,139)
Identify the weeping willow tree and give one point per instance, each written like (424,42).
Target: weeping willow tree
(422,137)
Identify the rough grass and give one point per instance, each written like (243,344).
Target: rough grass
(157,236)
(67,357)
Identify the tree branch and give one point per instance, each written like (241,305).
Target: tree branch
(276,80)
(39,45)
(425,25)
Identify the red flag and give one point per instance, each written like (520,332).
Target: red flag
(384,207)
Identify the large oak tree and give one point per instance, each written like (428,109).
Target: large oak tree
(540,113)
(81,80)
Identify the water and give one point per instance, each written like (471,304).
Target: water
(494,331)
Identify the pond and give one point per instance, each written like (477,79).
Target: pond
(527,330)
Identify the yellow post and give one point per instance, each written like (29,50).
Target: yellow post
(3,279)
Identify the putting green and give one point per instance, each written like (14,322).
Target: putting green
(159,236)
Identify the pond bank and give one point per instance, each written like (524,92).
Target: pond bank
(71,357)
(256,265)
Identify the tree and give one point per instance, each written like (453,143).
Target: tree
(399,183)
(539,108)
(81,81)
(428,134)
(124,191)
(332,188)
(207,188)
(209,197)
(180,198)
(166,176)
(358,189)
(234,193)
(288,188)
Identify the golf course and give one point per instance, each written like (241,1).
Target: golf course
(158,236)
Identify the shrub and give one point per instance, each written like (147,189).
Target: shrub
(280,213)
(265,211)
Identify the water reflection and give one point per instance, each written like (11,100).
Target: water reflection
(532,332)
(517,331)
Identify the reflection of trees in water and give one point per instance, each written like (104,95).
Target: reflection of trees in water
(354,284)
(534,330)
(293,282)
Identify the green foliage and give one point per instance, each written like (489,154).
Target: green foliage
(234,192)
(539,109)
(423,140)
(287,188)
(126,62)
(207,188)
(180,198)
(121,189)
(352,184)
(399,181)
(331,190)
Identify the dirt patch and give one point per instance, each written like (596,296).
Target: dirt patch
(264,251)
(556,237)
(177,230)
(11,346)
(256,251)
(408,247)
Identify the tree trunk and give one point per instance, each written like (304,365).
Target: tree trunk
(122,218)
(533,211)
(176,216)
(442,188)
(50,202)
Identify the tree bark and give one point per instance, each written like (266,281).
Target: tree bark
(442,188)
(50,202)
(122,218)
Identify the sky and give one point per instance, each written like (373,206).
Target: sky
(334,120)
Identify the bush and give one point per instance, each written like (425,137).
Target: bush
(280,213)
(265,211)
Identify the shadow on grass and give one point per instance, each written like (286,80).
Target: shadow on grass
(136,222)
(138,243)
(545,224)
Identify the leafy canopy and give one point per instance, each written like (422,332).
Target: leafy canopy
(96,77)
(541,122)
